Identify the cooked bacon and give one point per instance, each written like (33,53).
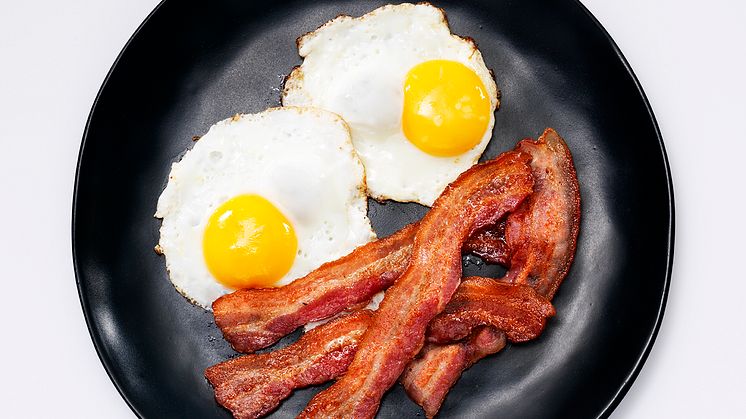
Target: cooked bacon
(252,319)
(478,198)
(541,235)
(555,162)
(253,385)
(489,244)
(515,309)
(429,377)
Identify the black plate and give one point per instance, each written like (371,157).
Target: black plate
(194,63)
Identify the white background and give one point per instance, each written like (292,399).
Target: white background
(689,56)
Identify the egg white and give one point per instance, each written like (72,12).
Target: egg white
(299,159)
(356,67)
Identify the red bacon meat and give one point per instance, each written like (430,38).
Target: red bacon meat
(478,198)
(513,308)
(541,236)
(430,376)
(252,319)
(253,385)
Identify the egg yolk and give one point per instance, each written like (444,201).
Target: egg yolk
(446,108)
(249,243)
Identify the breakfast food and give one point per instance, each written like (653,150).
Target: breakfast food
(541,235)
(252,319)
(555,200)
(482,301)
(253,385)
(419,100)
(261,200)
(477,198)
(255,318)
(490,245)
(429,377)
(279,199)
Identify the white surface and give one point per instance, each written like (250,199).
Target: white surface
(688,55)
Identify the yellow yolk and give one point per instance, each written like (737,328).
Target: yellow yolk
(446,108)
(249,243)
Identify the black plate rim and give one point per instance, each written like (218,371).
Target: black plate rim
(627,384)
(98,342)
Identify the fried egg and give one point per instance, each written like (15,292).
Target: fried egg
(261,200)
(420,101)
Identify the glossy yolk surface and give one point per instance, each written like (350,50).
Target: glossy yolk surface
(446,108)
(249,243)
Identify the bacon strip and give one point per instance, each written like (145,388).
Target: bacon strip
(253,385)
(542,234)
(515,309)
(490,244)
(416,378)
(541,237)
(430,376)
(478,198)
(252,319)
